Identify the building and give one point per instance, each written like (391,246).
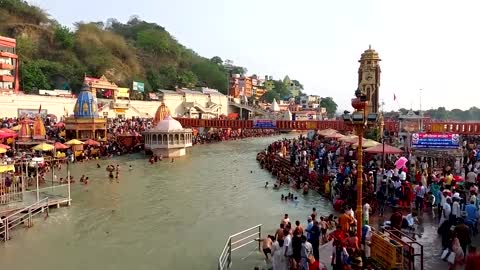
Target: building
(241,86)
(195,104)
(9,82)
(309,102)
(102,87)
(369,78)
(168,138)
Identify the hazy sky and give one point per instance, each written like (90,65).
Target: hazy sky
(430,45)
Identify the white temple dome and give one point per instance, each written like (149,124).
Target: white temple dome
(169,124)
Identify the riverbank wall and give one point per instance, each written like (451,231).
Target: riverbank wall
(15,105)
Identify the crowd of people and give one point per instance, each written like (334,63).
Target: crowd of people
(420,187)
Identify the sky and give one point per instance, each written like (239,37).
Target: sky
(433,45)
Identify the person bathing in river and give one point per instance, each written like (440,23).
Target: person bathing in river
(305,188)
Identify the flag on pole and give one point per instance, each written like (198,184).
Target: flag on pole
(394,97)
(40,109)
(65,111)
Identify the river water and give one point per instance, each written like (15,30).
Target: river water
(163,216)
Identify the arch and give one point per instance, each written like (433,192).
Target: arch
(155,138)
(164,139)
(182,138)
(176,139)
(170,139)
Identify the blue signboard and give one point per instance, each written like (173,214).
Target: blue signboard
(264,123)
(435,141)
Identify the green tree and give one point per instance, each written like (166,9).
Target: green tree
(64,37)
(269,96)
(32,77)
(329,104)
(281,89)
(217,60)
(187,79)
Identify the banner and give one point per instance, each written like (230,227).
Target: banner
(435,141)
(264,123)
(153,96)
(138,86)
(123,93)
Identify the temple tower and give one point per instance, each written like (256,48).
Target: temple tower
(369,78)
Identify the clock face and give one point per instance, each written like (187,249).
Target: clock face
(368,76)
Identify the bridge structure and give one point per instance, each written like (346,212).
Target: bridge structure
(393,126)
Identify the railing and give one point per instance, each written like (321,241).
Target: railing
(21,216)
(234,242)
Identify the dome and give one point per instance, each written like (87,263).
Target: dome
(370,54)
(161,114)
(169,124)
(38,129)
(86,105)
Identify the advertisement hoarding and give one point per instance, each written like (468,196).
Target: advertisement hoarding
(264,123)
(435,141)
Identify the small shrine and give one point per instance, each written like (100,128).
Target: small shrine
(101,86)
(85,123)
(167,138)
(31,132)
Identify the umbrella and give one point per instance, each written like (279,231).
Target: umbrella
(335,136)
(326,132)
(74,142)
(367,143)
(4,134)
(16,128)
(401,162)
(7,130)
(387,149)
(43,147)
(92,142)
(349,138)
(4,146)
(59,145)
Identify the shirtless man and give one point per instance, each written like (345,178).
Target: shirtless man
(267,245)
(279,233)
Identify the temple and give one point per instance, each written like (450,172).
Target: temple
(85,123)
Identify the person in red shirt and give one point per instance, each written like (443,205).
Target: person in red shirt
(314,264)
(472,260)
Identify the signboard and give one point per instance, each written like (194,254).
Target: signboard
(138,86)
(435,141)
(384,252)
(264,123)
(123,93)
(31,113)
(153,96)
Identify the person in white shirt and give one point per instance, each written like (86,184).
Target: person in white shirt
(402,175)
(420,191)
(366,213)
(412,220)
(456,211)
(446,211)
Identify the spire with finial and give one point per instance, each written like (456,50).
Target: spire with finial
(369,46)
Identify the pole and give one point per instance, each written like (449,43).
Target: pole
(421,114)
(68,183)
(360,130)
(38,188)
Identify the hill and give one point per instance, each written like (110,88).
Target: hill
(124,52)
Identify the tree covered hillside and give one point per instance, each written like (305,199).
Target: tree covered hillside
(124,52)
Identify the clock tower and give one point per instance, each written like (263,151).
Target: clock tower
(369,78)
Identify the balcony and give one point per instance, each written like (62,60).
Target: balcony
(7,78)
(6,66)
(8,55)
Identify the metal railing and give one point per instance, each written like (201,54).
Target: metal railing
(23,216)
(237,241)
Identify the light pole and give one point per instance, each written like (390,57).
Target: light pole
(360,121)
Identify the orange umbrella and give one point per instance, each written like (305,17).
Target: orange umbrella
(92,142)
(60,146)
(7,130)
(4,146)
